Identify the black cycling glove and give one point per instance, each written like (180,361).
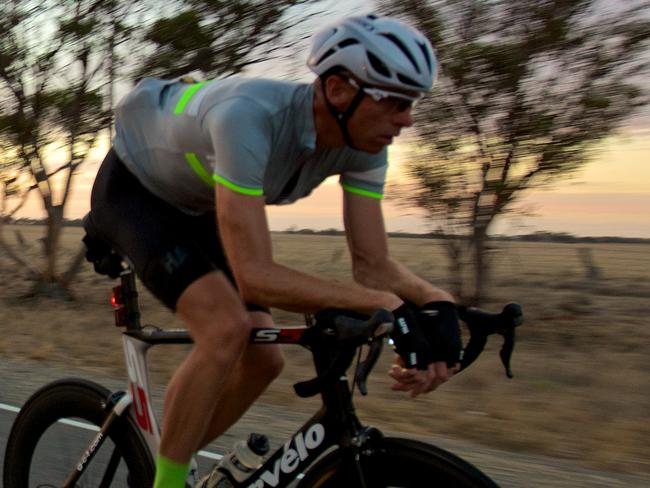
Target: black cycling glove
(439,323)
(410,342)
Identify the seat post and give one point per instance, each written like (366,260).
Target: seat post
(125,301)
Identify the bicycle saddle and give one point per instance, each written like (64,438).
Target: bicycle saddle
(100,252)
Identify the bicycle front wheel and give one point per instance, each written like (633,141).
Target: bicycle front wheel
(53,432)
(393,462)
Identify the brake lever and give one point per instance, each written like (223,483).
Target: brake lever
(514,315)
(352,333)
(365,366)
(314,386)
(506,350)
(482,324)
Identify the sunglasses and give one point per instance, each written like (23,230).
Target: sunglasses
(399,102)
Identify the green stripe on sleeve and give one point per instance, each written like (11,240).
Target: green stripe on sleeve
(186,96)
(198,168)
(200,171)
(362,192)
(253,192)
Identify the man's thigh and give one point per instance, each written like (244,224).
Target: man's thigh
(169,249)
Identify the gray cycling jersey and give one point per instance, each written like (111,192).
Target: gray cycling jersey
(256,137)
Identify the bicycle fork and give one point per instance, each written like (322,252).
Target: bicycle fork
(137,399)
(121,402)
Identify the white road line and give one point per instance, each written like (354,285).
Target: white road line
(9,408)
(94,428)
(210,455)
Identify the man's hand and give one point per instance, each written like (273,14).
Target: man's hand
(413,372)
(439,323)
(435,328)
(409,339)
(420,381)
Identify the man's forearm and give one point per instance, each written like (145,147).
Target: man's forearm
(392,276)
(289,289)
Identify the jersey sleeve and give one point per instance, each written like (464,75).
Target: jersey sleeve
(367,176)
(240,132)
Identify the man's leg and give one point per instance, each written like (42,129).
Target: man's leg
(219,325)
(176,256)
(258,367)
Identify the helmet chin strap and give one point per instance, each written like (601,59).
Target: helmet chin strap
(343,117)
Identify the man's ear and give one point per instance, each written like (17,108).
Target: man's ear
(339,92)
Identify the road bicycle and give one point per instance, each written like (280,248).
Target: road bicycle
(333,449)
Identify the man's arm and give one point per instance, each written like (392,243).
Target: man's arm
(374,268)
(246,239)
(372,265)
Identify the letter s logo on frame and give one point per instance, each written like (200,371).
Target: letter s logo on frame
(267,335)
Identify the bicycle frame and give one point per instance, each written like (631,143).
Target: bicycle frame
(135,354)
(316,436)
(320,433)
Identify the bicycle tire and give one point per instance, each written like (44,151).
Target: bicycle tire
(395,462)
(38,439)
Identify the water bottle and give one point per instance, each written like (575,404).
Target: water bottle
(239,464)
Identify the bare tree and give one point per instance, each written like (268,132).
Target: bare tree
(52,69)
(526,90)
(59,63)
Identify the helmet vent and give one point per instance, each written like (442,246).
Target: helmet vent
(378,65)
(325,56)
(403,48)
(348,42)
(408,81)
(426,54)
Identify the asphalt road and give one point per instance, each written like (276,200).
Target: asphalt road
(508,469)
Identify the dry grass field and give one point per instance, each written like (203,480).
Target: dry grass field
(581,364)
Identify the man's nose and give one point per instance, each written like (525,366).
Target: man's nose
(404,118)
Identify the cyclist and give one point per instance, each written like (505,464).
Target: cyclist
(183,191)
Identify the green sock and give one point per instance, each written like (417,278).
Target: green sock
(170,474)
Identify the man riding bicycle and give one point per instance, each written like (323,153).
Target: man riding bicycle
(183,195)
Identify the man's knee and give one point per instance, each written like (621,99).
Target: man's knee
(275,362)
(264,362)
(215,316)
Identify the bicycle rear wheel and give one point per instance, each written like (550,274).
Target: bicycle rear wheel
(56,427)
(393,462)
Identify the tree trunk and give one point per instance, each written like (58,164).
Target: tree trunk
(454,247)
(481,265)
(75,266)
(592,271)
(51,242)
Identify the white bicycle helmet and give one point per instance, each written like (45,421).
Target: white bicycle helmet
(376,50)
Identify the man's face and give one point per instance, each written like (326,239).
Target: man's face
(380,117)
(375,124)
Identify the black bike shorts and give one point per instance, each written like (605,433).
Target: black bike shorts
(168,248)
